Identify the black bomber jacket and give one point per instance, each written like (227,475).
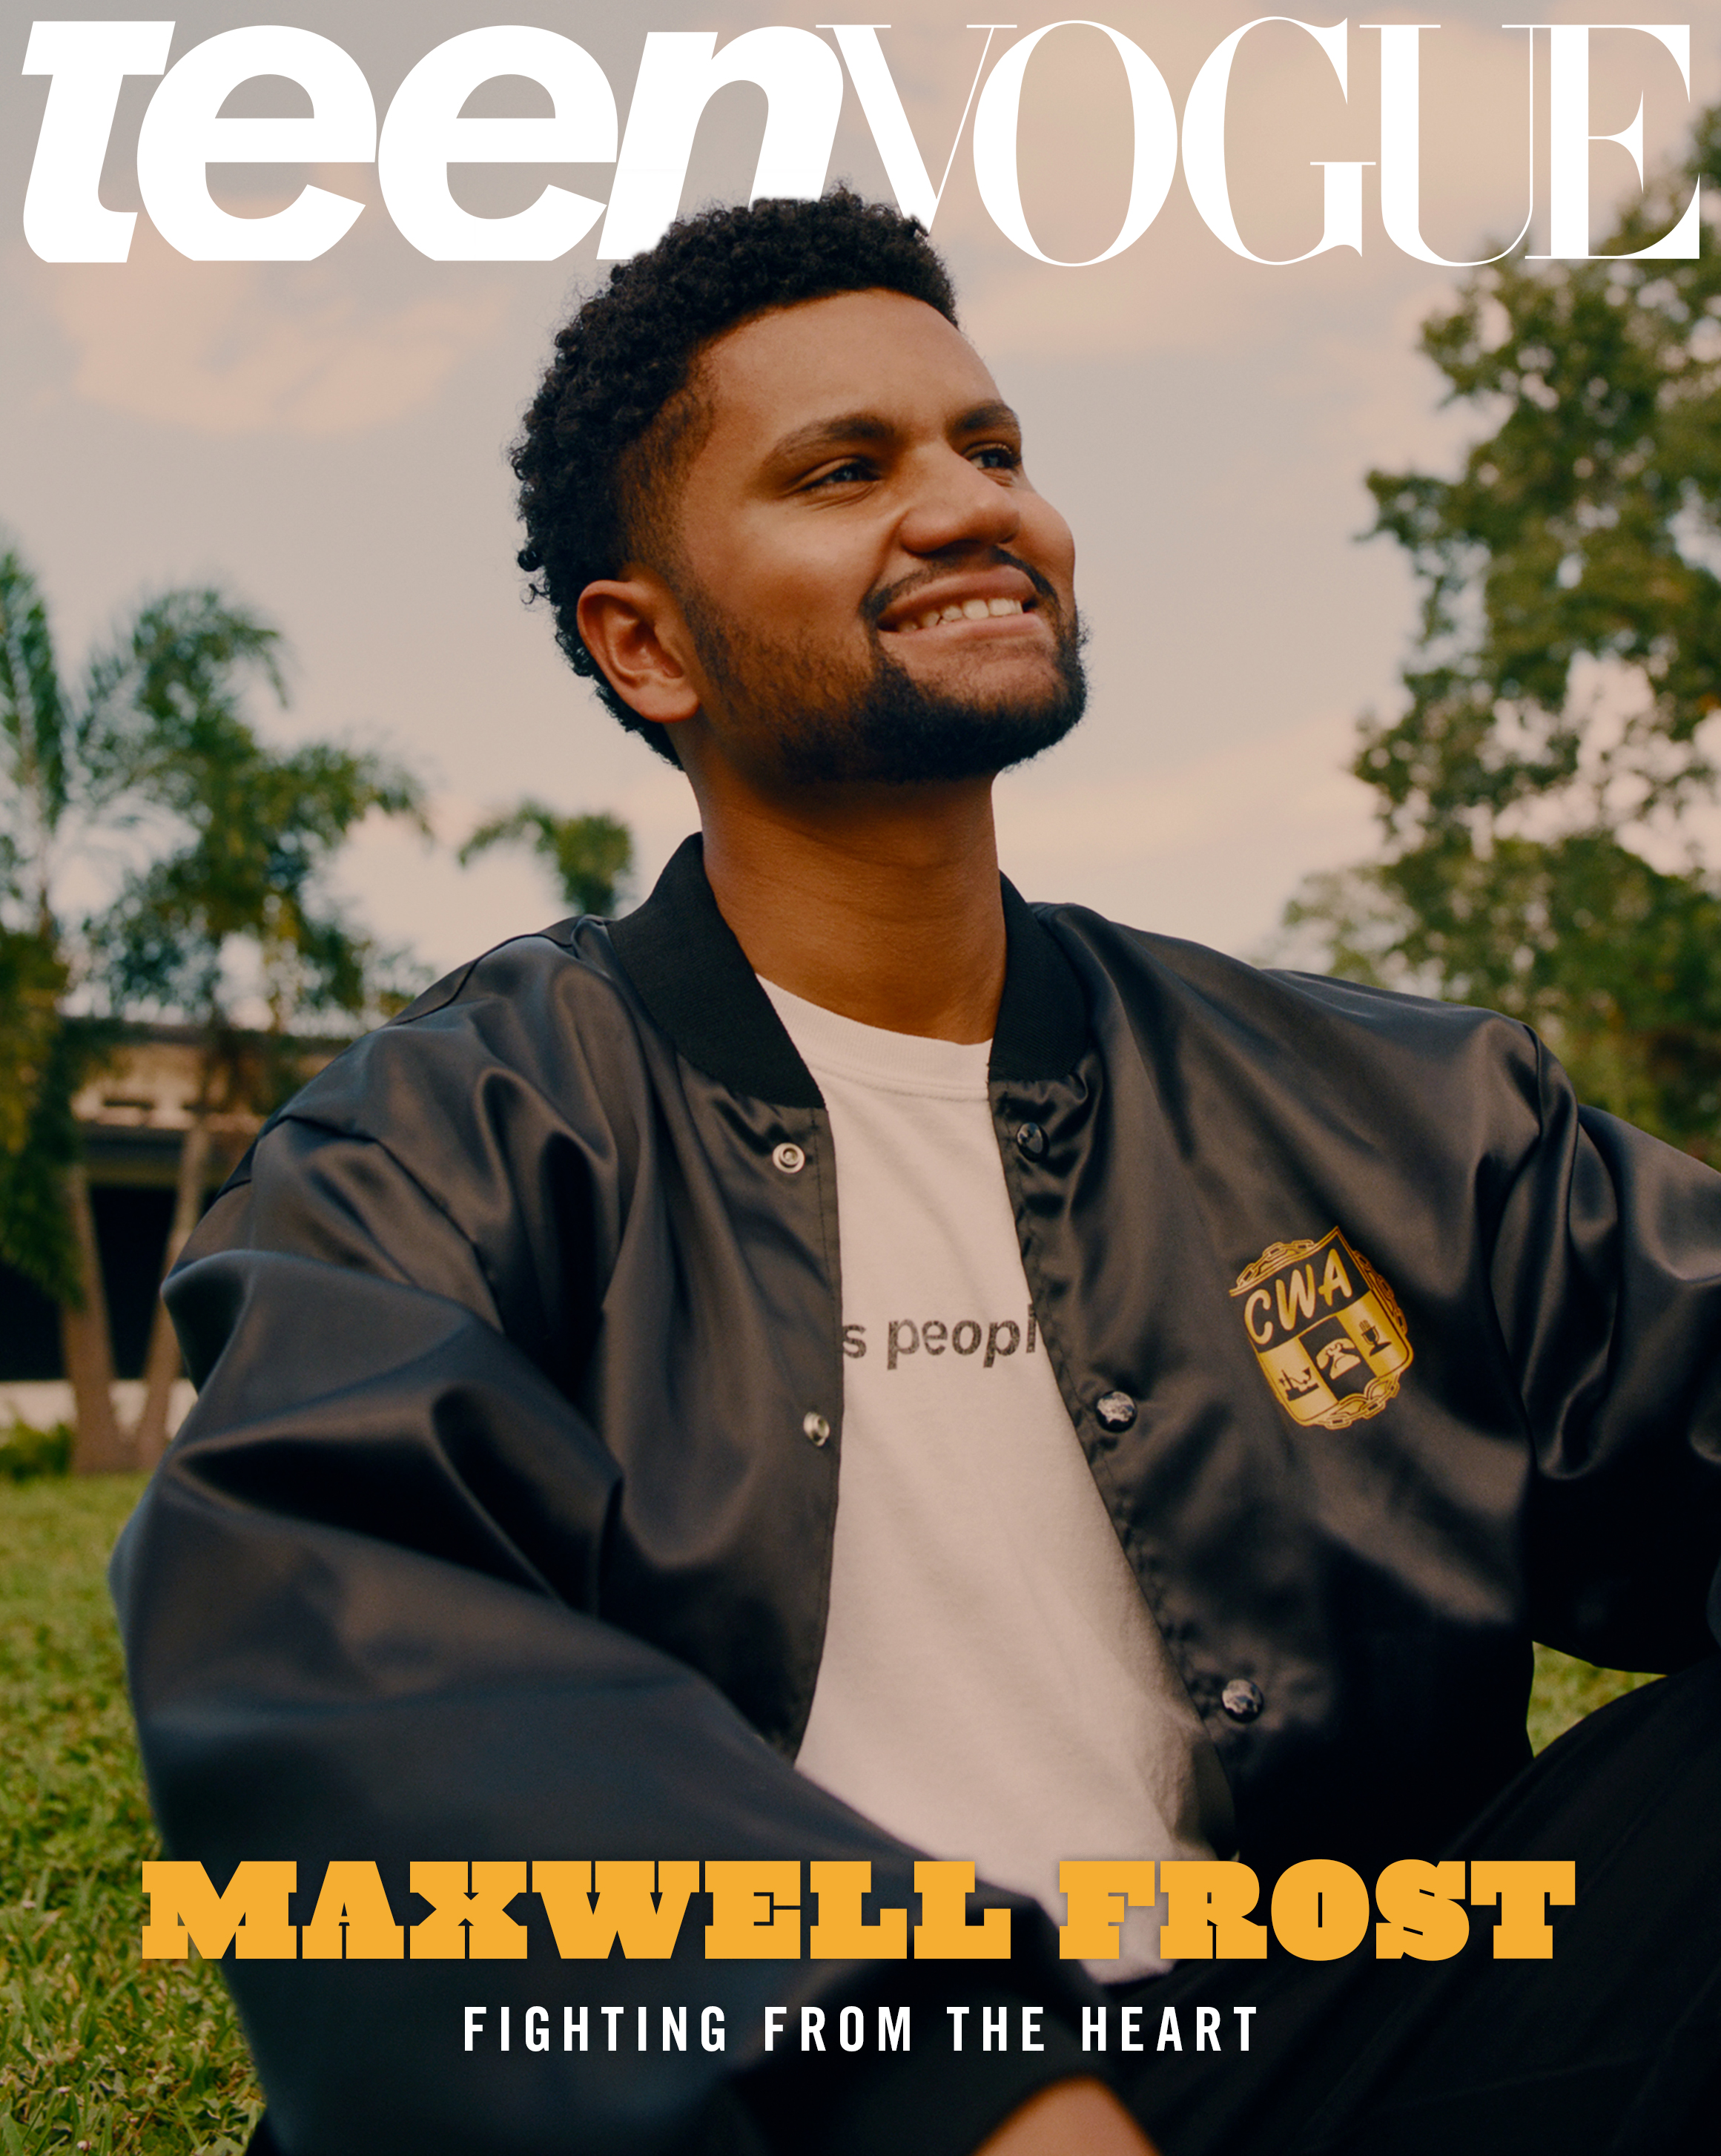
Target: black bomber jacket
(502,1524)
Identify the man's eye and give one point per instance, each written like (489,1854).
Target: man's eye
(846,474)
(997,456)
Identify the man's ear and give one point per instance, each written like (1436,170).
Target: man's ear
(633,627)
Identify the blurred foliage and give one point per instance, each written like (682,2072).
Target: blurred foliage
(255,829)
(41,1061)
(27,1453)
(590,856)
(1569,657)
(31,978)
(259,830)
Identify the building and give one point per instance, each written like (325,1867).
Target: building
(133,1115)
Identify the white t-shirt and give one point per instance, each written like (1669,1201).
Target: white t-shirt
(993,1686)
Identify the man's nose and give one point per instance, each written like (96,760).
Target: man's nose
(956,503)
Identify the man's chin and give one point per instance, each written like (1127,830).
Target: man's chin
(969,715)
(924,739)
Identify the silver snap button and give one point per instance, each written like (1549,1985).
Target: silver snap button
(789,1157)
(1242,1701)
(818,1429)
(1116,1411)
(1032,1139)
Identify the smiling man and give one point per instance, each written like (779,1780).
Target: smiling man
(840,1363)
(877,595)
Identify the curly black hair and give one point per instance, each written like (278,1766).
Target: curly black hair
(617,410)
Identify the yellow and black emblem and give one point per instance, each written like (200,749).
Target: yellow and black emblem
(1326,1329)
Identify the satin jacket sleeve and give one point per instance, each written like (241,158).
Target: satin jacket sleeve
(1606,1276)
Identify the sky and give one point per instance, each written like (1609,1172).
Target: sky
(327,440)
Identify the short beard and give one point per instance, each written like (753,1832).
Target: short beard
(886,729)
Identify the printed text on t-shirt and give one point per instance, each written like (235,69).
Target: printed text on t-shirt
(933,1335)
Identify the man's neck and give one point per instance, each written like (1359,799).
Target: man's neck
(881,904)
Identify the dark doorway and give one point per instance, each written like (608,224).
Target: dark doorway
(29,1331)
(131,1225)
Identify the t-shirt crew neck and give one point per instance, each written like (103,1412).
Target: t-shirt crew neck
(992,1685)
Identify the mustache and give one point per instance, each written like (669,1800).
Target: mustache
(877,603)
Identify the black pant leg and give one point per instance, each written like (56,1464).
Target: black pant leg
(1609,2049)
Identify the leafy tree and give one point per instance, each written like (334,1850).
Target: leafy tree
(1530,792)
(149,754)
(256,830)
(42,1208)
(590,856)
(34,1237)
(74,768)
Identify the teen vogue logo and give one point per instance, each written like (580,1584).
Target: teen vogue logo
(801,71)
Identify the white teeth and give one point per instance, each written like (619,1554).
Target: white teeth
(967,610)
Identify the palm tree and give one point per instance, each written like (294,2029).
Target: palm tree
(590,856)
(76,766)
(237,910)
(152,757)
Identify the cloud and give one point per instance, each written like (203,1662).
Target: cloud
(243,348)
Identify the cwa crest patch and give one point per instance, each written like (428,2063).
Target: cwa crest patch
(1326,1330)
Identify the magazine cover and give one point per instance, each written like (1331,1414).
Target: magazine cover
(475,1626)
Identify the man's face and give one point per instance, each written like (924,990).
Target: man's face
(874,589)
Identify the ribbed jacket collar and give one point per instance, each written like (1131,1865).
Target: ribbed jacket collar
(692,975)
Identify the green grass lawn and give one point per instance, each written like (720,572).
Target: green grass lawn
(104,2051)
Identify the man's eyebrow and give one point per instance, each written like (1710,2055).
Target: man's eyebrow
(825,434)
(868,426)
(995,413)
